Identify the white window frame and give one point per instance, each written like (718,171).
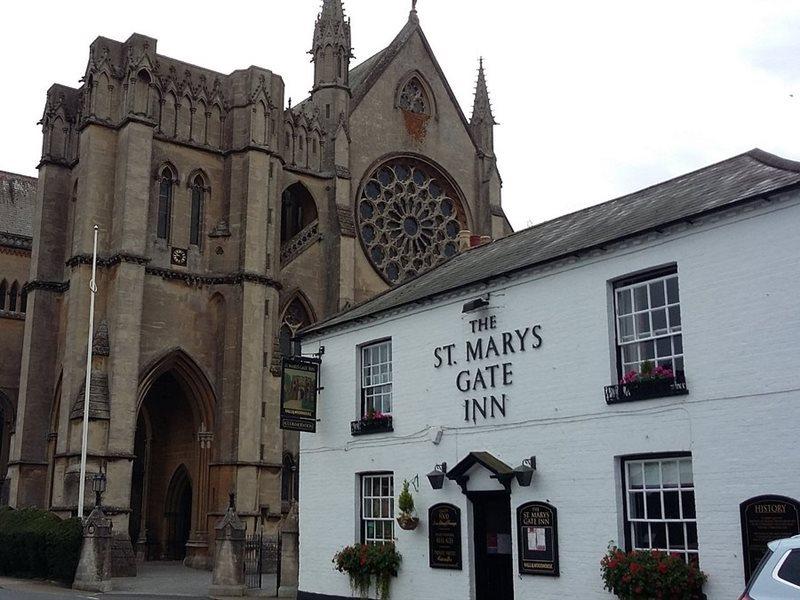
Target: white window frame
(376,377)
(630,491)
(377,508)
(637,340)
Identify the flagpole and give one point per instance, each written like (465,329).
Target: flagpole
(88,382)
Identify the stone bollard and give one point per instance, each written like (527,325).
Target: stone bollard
(290,554)
(94,567)
(228,576)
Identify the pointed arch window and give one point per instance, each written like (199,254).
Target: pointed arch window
(3,294)
(413,97)
(166,181)
(23,300)
(295,317)
(12,297)
(289,482)
(199,189)
(298,211)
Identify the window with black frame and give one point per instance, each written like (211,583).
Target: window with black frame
(376,378)
(649,337)
(660,504)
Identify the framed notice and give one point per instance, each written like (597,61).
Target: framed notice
(444,536)
(537,536)
(299,384)
(764,519)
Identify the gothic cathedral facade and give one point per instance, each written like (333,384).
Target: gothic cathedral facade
(227,222)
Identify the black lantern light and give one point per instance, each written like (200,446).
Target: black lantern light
(524,472)
(98,486)
(476,304)
(436,477)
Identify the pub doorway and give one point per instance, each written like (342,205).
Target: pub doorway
(491,512)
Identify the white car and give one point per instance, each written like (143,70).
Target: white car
(777,576)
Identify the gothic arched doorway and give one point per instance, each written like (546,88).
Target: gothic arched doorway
(178,513)
(169,487)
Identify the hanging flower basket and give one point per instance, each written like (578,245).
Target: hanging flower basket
(407,522)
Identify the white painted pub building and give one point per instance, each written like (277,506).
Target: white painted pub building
(688,291)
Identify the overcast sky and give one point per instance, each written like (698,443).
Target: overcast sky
(594,99)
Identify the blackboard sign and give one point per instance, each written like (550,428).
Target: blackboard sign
(299,394)
(764,519)
(537,539)
(444,536)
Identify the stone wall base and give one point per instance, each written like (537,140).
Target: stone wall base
(123,560)
(226,591)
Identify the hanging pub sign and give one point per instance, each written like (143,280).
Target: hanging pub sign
(764,519)
(537,535)
(299,386)
(444,536)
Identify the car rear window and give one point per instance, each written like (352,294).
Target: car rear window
(758,569)
(790,569)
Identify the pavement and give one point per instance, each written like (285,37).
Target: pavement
(156,580)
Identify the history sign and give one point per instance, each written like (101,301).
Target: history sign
(444,536)
(537,538)
(764,519)
(299,394)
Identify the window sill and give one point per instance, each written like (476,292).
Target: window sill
(370,426)
(645,390)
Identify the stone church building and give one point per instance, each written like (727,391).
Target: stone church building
(227,221)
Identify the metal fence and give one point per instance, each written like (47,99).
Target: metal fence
(262,562)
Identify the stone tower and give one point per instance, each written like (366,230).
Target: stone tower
(227,223)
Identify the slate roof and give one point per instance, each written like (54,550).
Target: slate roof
(17,197)
(722,185)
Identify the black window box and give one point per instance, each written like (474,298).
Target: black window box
(366,426)
(645,390)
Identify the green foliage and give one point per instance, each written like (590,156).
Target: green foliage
(405,501)
(362,562)
(650,574)
(37,544)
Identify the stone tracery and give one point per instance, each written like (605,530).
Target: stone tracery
(409,218)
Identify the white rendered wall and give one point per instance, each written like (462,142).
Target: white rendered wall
(739,282)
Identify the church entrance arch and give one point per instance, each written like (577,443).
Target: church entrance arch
(169,487)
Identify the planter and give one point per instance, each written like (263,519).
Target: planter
(407,522)
(645,390)
(366,426)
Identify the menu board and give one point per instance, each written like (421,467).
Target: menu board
(764,519)
(444,536)
(537,535)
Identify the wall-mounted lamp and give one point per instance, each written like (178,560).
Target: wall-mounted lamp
(436,477)
(524,472)
(476,304)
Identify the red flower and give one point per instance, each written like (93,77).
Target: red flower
(635,568)
(662,568)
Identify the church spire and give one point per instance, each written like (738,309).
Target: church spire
(482,121)
(332,50)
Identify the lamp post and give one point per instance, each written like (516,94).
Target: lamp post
(98,487)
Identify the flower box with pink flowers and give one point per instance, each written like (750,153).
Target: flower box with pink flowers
(647,383)
(373,422)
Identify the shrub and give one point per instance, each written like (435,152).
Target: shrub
(37,544)
(362,562)
(651,574)
(405,502)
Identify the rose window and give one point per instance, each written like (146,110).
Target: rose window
(409,218)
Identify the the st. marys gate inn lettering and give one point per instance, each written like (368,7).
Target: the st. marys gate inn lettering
(487,384)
